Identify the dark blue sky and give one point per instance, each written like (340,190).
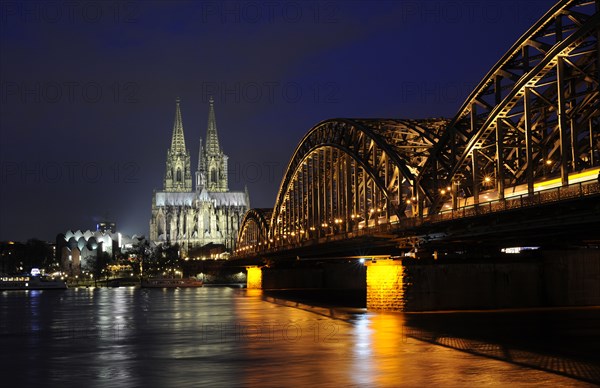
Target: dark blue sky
(87,90)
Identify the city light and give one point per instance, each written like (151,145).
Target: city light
(517,250)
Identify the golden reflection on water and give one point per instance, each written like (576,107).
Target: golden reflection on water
(283,346)
(310,348)
(253,292)
(386,341)
(290,341)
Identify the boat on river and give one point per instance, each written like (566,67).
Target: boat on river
(26,282)
(171,283)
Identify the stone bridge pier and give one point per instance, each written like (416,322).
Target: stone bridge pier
(538,279)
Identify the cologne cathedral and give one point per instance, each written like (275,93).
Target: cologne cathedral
(210,213)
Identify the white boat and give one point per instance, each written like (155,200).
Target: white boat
(170,283)
(26,282)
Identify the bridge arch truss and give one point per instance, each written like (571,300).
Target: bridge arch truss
(533,119)
(349,173)
(254,229)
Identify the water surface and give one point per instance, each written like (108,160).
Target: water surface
(118,337)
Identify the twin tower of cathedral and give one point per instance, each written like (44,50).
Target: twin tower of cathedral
(210,213)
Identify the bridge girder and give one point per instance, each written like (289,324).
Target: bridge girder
(348,171)
(254,229)
(535,116)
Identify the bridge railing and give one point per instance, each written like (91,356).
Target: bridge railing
(576,190)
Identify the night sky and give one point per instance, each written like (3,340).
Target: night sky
(88,90)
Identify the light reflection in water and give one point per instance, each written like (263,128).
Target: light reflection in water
(35,325)
(34,309)
(386,342)
(224,337)
(112,357)
(362,350)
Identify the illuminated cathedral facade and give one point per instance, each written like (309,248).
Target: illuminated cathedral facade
(207,213)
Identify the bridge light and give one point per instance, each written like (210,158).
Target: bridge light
(487,179)
(408,201)
(448,188)
(414,198)
(549,162)
(371,211)
(443,191)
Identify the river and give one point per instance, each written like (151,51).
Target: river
(132,337)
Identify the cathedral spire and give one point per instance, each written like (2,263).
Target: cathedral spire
(178,139)
(178,177)
(201,171)
(215,160)
(201,161)
(212,139)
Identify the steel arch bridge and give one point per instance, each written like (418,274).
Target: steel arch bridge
(254,229)
(533,122)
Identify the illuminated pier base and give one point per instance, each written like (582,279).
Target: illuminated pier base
(385,285)
(254,278)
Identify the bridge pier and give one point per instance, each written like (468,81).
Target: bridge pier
(254,277)
(385,285)
(544,278)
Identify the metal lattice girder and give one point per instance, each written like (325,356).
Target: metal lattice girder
(254,229)
(536,114)
(534,117)
(349,170)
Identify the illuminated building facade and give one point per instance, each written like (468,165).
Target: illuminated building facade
(76,251)
(210,213)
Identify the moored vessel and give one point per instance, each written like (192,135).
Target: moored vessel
(27,282)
